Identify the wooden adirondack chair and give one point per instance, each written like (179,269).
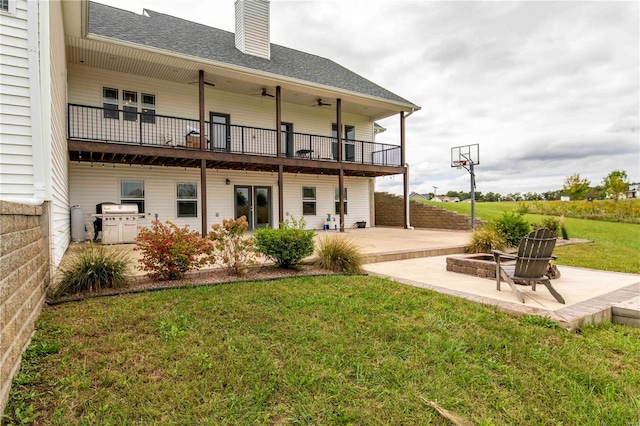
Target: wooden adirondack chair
(532,262)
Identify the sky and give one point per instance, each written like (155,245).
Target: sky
(547,89)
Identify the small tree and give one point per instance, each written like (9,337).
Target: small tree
(616,183)
(576,187)
(233,251)
(169,252)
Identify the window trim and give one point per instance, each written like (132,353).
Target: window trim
(310,201)
(186,200)
(131,200)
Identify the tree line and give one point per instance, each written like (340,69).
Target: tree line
(614,186)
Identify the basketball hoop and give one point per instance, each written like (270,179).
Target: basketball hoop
(459,163)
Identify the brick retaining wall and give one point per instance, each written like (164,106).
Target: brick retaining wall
(390,212)
(24,278)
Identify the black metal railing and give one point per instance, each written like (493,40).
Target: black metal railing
(148,128)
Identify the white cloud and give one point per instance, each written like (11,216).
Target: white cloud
(547,89)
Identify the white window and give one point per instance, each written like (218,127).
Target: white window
(148,108)
(337,200)
(308,200)
(110,102)
(133,104)
(187,199)
(8,6)
(130,105)
(132,192)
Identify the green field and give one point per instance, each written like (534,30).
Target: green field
(615,247)
(328,350)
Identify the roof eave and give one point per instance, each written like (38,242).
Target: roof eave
(400,106)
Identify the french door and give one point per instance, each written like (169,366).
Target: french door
(253,202)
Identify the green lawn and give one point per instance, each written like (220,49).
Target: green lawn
(319,350)
(615,247)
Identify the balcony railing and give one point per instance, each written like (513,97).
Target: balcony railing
(150,129)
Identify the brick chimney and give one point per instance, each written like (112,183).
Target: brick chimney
(252,28)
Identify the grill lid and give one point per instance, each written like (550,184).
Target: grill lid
(119,209)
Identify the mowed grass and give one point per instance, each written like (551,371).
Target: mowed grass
(320,350)
(615,247)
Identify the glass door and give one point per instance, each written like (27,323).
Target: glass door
(243,206)
(286,150)
(220,132)
(263,206)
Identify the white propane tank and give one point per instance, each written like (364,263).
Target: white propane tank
(78,232)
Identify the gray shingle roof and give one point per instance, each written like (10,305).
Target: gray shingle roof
(181,36)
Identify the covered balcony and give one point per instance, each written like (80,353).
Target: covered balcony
(110,135)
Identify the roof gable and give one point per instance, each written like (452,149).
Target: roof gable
(177,35)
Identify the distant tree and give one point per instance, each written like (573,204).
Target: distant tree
(532,196)
(453,194)
(575,187)
(596,192)
(616,183)
(551,195)
(491,197)
(479,196)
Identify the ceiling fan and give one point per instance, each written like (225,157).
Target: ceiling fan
(206,83)
(320,103)
(264,93)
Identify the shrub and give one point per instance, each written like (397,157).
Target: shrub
(169,252)
(563,232)
(513,227)
(286,246)
(339,254)
(486,238)
(93,268)
(233,251)
(550,222)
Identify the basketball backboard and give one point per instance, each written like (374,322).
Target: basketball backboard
(465,155)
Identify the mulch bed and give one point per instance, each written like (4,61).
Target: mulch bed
(141,284)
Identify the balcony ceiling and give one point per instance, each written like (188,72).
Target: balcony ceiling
(165,66)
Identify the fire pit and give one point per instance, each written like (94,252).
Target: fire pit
(482,265)
(478,265)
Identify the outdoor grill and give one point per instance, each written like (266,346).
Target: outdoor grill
(119,223)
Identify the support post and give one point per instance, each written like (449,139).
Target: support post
(405,175)
(203,162)
(341,174)
(279,151)
(280,194)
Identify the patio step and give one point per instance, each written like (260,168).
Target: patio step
(413,254)
(627,312)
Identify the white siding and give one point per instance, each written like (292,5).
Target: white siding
(16,159)
(180,100)
(61,231)
(93,185)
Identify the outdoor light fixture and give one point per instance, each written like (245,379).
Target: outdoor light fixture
(227,181)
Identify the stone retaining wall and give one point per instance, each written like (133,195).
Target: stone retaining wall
(24,278)
(390,212)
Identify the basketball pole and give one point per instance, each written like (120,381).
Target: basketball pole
(473,196)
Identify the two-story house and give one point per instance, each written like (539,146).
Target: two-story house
(192,123)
